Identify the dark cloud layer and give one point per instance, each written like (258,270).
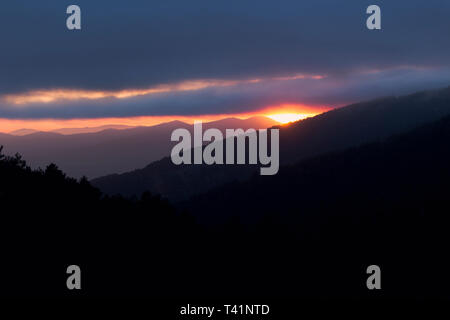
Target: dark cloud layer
(138,44)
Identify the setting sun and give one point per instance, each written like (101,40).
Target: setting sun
(288,117)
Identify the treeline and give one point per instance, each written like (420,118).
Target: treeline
(49,221)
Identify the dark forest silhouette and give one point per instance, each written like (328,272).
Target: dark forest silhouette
(309,231)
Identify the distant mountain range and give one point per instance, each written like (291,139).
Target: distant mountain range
(334,130)
(23,132)
(114,149)
(91,129)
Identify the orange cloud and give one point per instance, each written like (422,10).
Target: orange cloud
(48,96)
(53,95)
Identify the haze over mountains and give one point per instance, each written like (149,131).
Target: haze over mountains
(115,155)
(334,130)
(115,149)
(24,132)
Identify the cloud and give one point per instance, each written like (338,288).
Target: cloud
(146,44)
(330,91)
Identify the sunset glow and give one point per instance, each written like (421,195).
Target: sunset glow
(8,125)
(288,117)
(283,113)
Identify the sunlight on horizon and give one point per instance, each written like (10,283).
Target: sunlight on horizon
(288,117)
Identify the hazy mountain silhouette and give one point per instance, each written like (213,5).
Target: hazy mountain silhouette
(22,132)
(334,130)
(107,151)
(91,129)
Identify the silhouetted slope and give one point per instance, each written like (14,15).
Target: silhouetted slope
(361,123)
(175,182)
(342,128)
(410,171)
(331,216)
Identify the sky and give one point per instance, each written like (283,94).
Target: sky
(143,62)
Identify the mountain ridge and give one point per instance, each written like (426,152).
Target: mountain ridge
(337,129)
